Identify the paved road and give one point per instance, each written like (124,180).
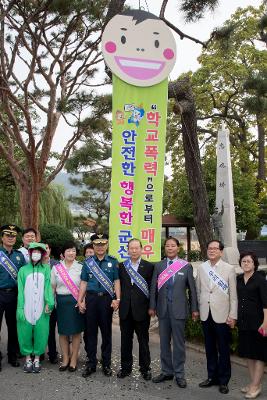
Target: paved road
(52,384)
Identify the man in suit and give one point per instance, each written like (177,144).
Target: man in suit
(133,310)
(168,298)
(216,288)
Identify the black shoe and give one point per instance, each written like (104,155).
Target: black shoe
(107,371)
(72,369)
(13,362)
(208,383)
(88,371)
(122,373)
(53,360)
(223,389)
(63,367)
(161,378)
(181,382)
(146,375)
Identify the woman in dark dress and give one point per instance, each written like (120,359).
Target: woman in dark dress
(70,321)
(252,316)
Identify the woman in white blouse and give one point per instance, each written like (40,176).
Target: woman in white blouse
(65,280)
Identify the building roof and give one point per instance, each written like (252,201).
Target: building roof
(170,220)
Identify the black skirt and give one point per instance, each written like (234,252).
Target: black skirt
(69,320)
(252,345)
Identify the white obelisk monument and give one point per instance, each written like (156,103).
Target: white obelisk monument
(225,197)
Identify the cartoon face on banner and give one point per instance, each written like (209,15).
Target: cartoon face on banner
(139,48)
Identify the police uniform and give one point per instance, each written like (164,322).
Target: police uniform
(8,295)
(98,309)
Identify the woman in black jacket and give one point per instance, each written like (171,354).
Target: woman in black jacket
(252,321)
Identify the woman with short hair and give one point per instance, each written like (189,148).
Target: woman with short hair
(252,321)
(65,280)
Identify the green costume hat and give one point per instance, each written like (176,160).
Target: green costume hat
(38,246)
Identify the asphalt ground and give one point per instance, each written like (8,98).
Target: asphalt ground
(52,384)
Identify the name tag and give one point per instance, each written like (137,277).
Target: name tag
(180,273)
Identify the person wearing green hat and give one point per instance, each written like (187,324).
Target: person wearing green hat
(35,303)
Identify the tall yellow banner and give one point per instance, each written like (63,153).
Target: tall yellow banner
(140,50)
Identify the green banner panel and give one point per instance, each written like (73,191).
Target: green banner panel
(138,156)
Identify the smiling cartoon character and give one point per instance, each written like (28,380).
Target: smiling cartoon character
(139,48)
(137,114)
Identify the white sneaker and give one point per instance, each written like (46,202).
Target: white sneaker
(28,366)
(36,366)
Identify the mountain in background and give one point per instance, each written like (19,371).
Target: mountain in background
(63,179)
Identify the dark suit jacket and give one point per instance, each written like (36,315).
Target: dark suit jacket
(183,279)
(131,295)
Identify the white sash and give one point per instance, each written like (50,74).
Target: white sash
(216,278)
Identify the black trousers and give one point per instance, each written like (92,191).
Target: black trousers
(8,306)
(128,326)
(217,344)
(98,314)
(52,346)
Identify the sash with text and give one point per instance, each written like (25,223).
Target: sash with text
(137,278)
(216,278)
(68,282)
(170,271)
(100,275)
(8,265)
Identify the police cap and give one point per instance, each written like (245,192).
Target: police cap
(99,238)
(10,229)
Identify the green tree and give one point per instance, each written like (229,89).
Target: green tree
(56,235)
(54,207)
(9,209)
(81,228)
(49,57)
(231,58)
(247,210)
(95,198)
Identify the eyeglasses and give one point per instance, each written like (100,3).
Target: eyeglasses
(213,248)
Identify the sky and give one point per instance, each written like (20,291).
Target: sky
(187,51)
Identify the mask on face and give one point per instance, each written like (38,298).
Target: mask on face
(36,257)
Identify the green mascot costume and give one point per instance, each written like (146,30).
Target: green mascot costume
(35,303)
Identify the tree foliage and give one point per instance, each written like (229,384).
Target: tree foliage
(56,235)
(231,77)
(49,57)
(54,208)
(9,209)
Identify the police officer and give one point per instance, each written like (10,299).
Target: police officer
(100,288)
(9,259)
